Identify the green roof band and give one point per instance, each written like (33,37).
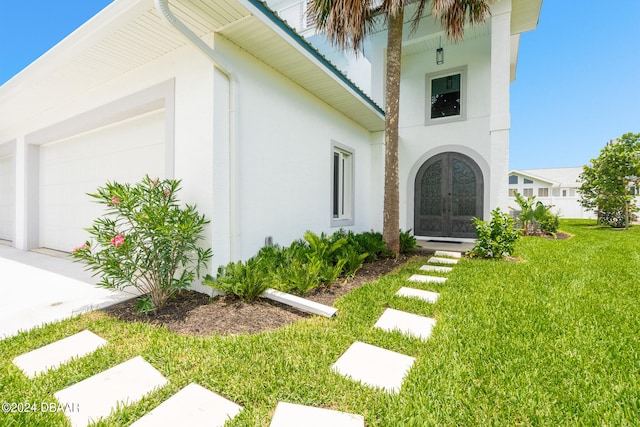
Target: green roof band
(313,51)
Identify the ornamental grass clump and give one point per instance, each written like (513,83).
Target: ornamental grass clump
(146,240)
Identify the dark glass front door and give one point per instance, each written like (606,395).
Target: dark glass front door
(448,194)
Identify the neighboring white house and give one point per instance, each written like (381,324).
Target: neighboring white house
(268,137)
(553,186)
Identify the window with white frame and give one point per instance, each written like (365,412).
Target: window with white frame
(527,192)
(446,96)
(512,192)
(543,192)
(342,185)
(513,179)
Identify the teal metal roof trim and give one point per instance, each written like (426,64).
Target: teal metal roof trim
(273,16)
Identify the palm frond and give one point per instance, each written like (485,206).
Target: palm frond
(454,14)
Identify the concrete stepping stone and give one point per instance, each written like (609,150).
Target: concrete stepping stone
(436,268)
(98,395)
(54,355)
(374,366)
(407,323)
(428,296)
(439,260)
(291,415)
(193,406)
(427,279)
(449,254)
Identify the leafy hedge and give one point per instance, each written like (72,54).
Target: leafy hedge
(316,260)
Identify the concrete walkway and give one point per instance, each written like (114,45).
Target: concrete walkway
(38,289)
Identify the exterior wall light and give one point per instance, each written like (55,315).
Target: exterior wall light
(440,56)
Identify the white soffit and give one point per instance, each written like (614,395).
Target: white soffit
(431,42)
(525,15)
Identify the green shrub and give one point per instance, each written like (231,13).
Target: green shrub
(497,238)
(373,244)
(549,222)
(353,259)
(535,218)
(145,240)
(407,242)
(246,280)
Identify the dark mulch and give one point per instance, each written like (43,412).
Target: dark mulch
(194,313)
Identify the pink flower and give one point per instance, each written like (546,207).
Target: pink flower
(118,240)
(85,246)
(167,193)
(115,200)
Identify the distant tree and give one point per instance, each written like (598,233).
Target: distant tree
(606,182)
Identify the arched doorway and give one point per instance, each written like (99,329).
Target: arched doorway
(449,192)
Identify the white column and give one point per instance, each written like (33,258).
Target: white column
(20,239)
(500,115)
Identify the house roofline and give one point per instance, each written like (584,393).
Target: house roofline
(536,177)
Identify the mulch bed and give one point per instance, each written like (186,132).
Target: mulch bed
(194,313)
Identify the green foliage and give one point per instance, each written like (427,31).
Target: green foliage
(316,260)
(535,217)
(373,244)
(353,260)
(605,182)
(246,280)
(407,242)
(145,240)
(497,238)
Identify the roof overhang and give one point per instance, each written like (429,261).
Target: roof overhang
(128,34)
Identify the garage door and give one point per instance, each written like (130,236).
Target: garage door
(73,167)
(7,197)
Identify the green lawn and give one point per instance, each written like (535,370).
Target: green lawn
(552,340)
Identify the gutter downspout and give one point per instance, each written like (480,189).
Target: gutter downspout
(162,6)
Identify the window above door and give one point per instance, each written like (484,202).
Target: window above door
(446,96)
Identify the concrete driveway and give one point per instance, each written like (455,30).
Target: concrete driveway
(37,289)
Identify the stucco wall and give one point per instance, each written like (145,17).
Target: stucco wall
(253,151)
(283,151)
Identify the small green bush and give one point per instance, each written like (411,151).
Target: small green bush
(246,280)
(353,259)
(145,240)
(497,238)
(407,242)
(373,244)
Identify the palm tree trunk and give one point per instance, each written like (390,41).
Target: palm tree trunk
(391,218)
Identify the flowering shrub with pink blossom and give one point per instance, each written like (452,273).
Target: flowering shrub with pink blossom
(146,239)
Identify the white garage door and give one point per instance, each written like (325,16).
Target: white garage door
(7,197)
(73,167)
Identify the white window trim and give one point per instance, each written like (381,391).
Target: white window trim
(463,96)
(346,196)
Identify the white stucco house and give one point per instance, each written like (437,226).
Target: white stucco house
(552,186)
(268,137)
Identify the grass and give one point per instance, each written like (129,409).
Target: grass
(552,340)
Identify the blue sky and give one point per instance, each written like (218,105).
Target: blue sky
(577,83)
